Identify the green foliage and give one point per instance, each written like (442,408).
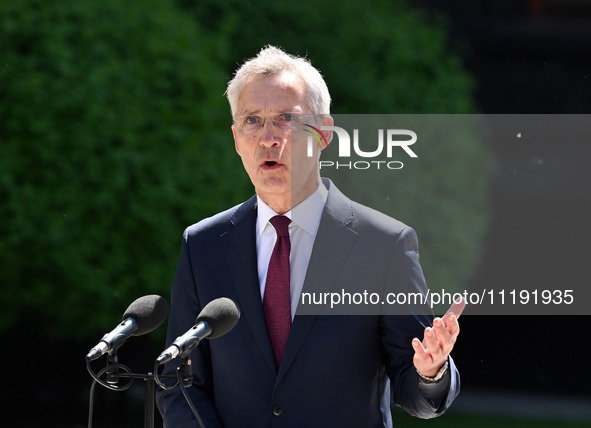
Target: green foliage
(114,137)
(384,57)
(378,57)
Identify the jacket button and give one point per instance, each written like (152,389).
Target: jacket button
(277,410)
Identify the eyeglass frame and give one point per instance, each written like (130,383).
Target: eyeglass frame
(274,120)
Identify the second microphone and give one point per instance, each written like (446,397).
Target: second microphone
(217,318)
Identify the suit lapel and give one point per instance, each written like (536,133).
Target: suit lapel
(331,248)
(239,246)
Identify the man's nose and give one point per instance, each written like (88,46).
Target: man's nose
(270,135)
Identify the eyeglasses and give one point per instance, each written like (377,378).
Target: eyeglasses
(251,124)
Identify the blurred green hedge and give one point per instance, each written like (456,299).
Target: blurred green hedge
(115,136)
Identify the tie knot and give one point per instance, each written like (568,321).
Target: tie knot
(280,223)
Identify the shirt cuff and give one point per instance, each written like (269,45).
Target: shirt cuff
(435,392)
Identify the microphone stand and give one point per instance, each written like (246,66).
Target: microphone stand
(116,371)
(149,395)
(149,401)
(184,379)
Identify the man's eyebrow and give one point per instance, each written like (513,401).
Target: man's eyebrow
(291,110)
(249,112)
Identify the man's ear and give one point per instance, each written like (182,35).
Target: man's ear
(235,140)
(327,120)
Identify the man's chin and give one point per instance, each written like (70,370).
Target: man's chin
(275,188)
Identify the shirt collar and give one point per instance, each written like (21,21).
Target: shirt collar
(306,214)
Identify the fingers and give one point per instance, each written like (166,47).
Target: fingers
(420,351)
(450,319)
(429,348)
(447,332)
(456,308)
(439,339)
(432,340)
(451,324)
(428,355)
(437,344)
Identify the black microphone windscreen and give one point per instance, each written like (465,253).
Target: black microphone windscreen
(221,314)
(148,312)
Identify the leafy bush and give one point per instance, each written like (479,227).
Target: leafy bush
(114,137)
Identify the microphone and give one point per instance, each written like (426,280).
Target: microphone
(217,318)
(142,316)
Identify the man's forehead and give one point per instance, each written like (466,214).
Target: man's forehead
(280,92)
(285,79)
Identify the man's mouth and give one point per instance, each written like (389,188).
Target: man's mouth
(271,164)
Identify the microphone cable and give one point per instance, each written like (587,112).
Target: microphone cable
(126,374)
(187,398)
(96,379)
(158,380)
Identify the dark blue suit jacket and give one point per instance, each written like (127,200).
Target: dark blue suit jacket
(337,370)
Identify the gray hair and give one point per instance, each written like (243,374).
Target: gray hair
(271,61)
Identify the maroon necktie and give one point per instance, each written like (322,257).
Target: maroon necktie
(277,302)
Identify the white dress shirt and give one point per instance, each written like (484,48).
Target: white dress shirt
(305,219)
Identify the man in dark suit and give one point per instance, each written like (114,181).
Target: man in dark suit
(286,365)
